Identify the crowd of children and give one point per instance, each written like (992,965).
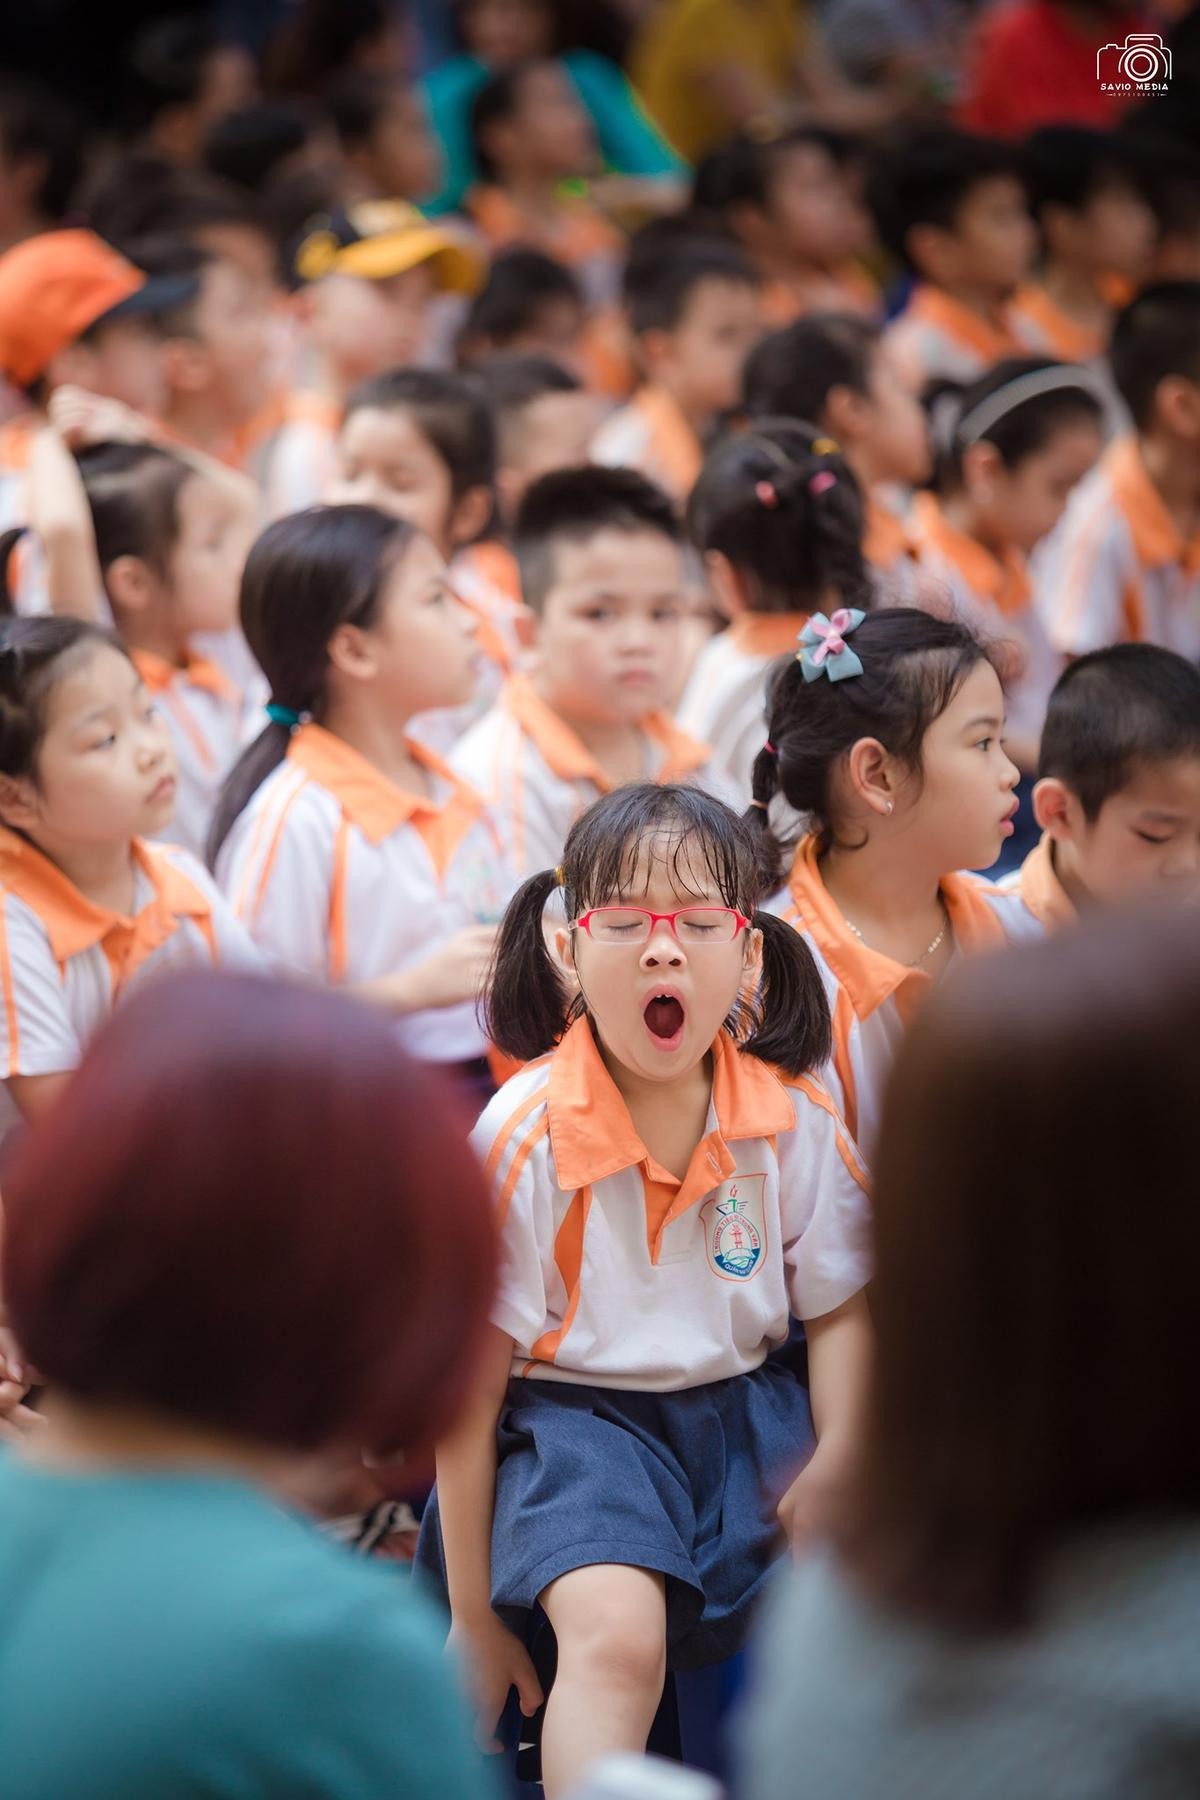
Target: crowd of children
(639,635)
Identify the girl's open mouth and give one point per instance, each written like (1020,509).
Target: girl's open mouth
(663,1014)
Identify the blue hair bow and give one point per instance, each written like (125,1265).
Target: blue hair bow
(823,647)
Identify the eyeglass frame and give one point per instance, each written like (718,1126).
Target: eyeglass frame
(742,923)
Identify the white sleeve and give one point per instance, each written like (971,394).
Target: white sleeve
(36,1031)
(824,1206)
(524,1199)
(278,883)
(1083,576)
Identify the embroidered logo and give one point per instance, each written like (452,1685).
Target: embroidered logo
(734,1227)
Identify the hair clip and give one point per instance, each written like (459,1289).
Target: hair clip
(283,715)
(823,647)
(826,446)
(766,493)
(822,482)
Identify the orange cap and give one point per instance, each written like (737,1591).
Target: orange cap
(52,287)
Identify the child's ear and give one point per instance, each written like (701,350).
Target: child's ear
(1177,403)
(728,585)
(931,250)
(1057,809)
(130,584)
(564,947)
(846,414)
(752,957)
(470,516)
(18,802)
(981,465)
(654,349)
(351,653)
(872,776)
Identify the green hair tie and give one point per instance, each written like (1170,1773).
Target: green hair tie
(283,715)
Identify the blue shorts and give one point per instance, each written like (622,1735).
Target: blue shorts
(685,1483)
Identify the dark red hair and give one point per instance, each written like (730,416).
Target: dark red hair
(252,1211)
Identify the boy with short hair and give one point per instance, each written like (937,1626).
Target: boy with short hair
(1118,791)
(528,303)
(951,208)
(1097,233)
(545,419)
(695,313)
(836,371)
(600,556)
(1124,564)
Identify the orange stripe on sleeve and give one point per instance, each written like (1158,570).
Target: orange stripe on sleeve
(568,1254)
(337,903)
(504,1136)
(819,1097)
(273,850)
(532,1137)
(10,999)
(843,1024)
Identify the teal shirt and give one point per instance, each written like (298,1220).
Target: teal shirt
(167,1637)
(629,143)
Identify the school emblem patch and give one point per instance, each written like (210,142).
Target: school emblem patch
(735,1227)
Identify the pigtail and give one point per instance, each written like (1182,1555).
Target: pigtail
(769,851)
(793,1030)
(8,543)
(243,781)
(526,1008)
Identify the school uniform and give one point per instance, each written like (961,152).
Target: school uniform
(643,1423)
(345,877)
(871,998)
(848,289)
(538,775)
(65,962)
(486,582)
(724,702)
(650,434)
(1116,569)
(210,722)
(578,235)
(937,338)
(1046,330)
(301,458)
(1036,884)
(993,595)
(890,551)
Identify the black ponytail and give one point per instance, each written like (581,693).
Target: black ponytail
(306,575)
(794,1031)
(527,1007)
(8,543)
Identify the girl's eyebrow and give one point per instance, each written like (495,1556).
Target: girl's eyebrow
(985,719)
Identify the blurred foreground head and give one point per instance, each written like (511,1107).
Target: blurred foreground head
(254,1214)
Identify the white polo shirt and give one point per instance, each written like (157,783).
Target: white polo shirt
(341,875)
(614,1272)
(724,702)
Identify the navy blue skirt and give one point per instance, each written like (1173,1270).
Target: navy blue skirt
(685,1483)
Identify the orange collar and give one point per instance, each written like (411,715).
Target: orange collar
(886,538)
(1156,538)
(1069,341)
(577,232)
(493,567)
(592,1135)
(867,976)
(1042,891)
(369,800)
(766,634)
(931,306)
(673,443)
(1003,581)
(569,757)
(196,671)
(74,923)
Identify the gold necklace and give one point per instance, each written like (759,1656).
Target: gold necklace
(934,943)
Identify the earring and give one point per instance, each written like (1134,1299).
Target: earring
(890,808)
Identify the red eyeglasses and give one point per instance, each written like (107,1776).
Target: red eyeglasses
(634,924)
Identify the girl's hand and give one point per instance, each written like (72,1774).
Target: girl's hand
(811,1505)
(455,972)
(82,418)
(495,1662)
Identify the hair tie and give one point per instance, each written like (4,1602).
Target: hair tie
(826,446)
(823,647)
(766,494)
(822,482)
(761,805)
(560,877)
(770,748)
(283,715)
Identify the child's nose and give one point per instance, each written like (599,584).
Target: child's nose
(661,946)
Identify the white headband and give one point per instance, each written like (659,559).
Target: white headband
(979,421)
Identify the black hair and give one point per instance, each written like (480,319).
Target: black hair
(519,283)
(1069,165)
(166,65)
(1169,166)
(133,494)
(925,176)
(571,506)
(913,665)
(245,148)
(358,99)
(789,374)
(1157,334)
(514,381)
(663,273)
(36,126)
(497,102)
(742,170)
(1115,711)
(321,37)
(35,654)
(143,199)
(528,1008)
(450,409)
(787,514)
(307,574)
(1016,432)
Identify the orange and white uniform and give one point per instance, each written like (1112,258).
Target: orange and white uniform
(1046,330)
(871,998)
(993,595)
(616,1273)
(848,289)
(939,339)
(538,775)
(724,702)
(890,550)
(1041,892)
(1116,569)
(301,458)
(65,962)
(486,581)
(650,434)
(210,722)
(341,875)
(576,233)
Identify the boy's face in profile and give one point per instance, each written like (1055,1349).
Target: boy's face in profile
(994,236)
(701,359)
(1144,841)
(610,636)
